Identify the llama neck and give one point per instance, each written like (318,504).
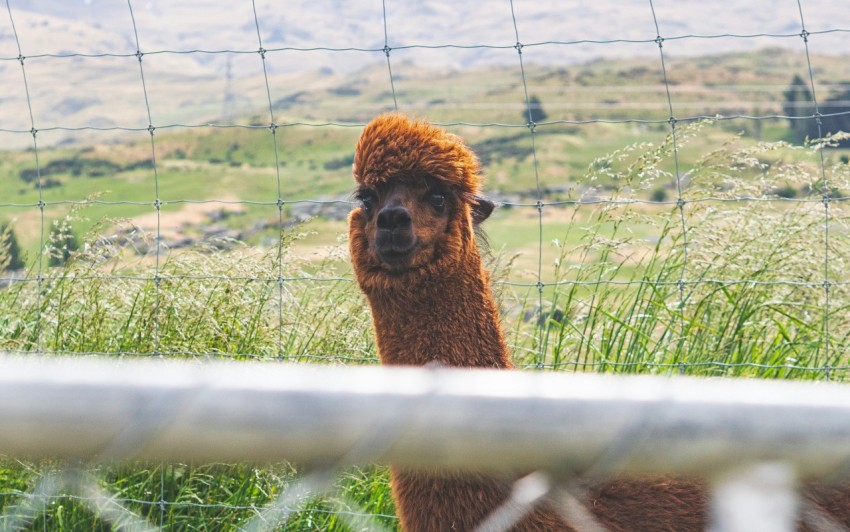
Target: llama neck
(451,320)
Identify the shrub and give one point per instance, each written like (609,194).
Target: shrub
(11,257)
(786,191)
(535,112)
(658,194)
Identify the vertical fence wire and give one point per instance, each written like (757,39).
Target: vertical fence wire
(387,51)
(41,204)
(38,185)
(680,202)
(826,195)
(157,203)
(280,201)
(532,126)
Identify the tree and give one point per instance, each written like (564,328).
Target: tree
(535,112)
(10,252)
(837,116)
(798,103)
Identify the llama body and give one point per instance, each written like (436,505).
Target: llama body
(430,296)
(415,257)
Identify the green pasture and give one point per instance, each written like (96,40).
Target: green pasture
(611,303)
(611,246)
(315,164)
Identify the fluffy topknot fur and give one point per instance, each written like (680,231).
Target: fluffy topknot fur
(393,144)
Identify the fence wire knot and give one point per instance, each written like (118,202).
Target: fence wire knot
(273,128)
(262,52)
(660,41)
(41,204)
(531,125)
(157,204)
(280,203)
(519,47)
(805,35)
(21,59)
(139,55)
(33,132)
(151,129)
(386,49)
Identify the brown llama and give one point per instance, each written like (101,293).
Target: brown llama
(414,252)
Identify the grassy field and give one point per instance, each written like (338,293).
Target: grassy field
(226,164)
(749,241)
(612,303)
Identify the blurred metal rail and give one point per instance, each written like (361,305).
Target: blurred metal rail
(107,409)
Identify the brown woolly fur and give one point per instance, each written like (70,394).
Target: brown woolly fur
(395,145)
(415,257)
(414,253)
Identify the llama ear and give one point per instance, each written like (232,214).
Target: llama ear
(481,208)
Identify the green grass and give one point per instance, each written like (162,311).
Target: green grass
(208,304)
(612,303)
(196,497)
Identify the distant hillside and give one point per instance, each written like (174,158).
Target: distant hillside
(463,49)
(106,93)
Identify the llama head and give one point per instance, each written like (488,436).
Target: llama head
(418,189)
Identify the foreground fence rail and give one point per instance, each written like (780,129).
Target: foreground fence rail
(753,439)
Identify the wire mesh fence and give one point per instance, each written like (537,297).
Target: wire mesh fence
(628,260)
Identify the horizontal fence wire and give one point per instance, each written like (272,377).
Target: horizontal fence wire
(833,363)
(431,47)
(566,202)
(358,125)
(275,280)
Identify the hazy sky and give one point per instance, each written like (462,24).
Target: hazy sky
(103,26)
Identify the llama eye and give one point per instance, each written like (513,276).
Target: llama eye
(367,201)
(438,200)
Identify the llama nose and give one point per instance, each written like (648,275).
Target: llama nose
(391,218)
